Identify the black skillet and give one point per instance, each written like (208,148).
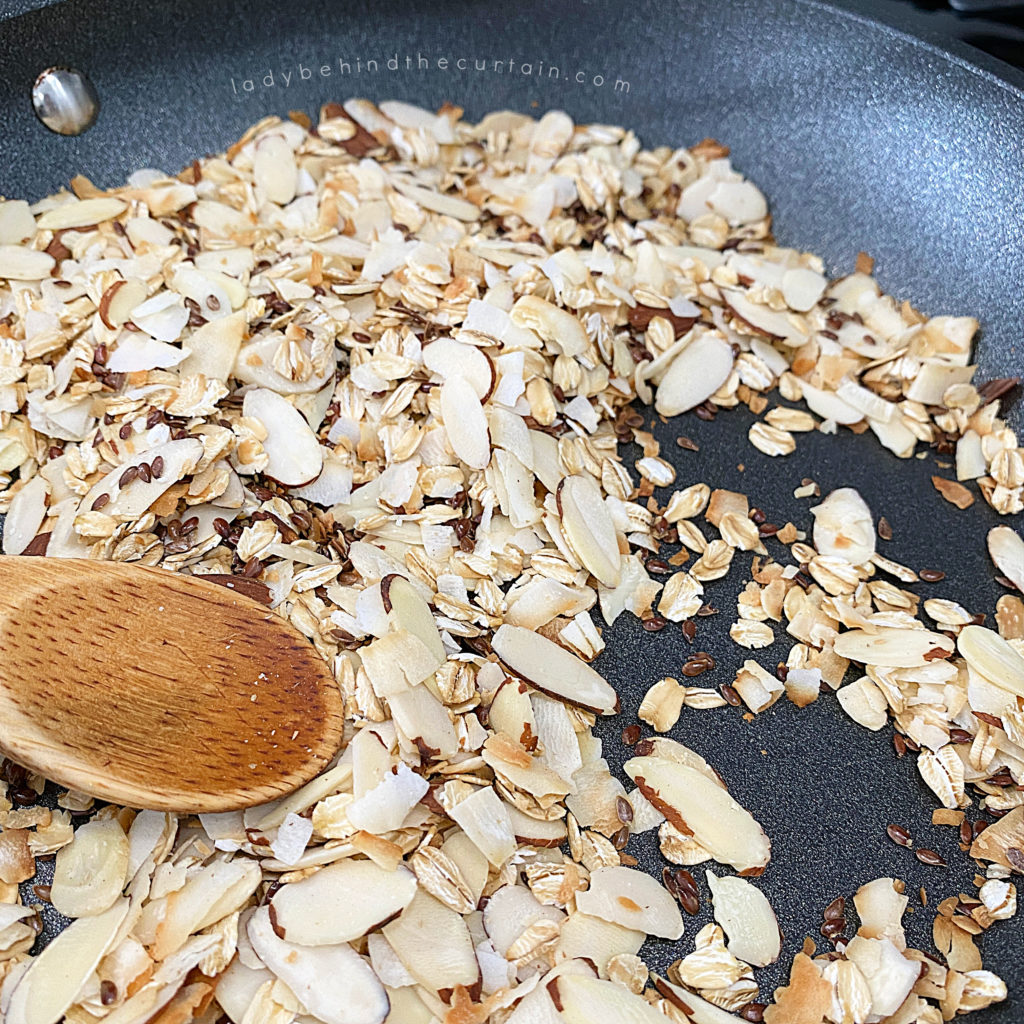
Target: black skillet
(865,135)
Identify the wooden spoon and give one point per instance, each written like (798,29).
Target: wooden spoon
(154,689)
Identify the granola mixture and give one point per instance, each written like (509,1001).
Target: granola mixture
(380,368)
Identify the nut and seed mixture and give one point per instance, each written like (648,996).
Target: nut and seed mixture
(378,370)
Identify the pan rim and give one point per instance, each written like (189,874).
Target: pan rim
(912,27)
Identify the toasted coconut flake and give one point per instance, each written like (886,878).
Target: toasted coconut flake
(1003,841)
(807,998)
(485,820)
(16,861)
(864,703)
(889,975)
(880,905)
(844,527)
(386,806)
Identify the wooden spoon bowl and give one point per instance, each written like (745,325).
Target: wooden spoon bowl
(159,690)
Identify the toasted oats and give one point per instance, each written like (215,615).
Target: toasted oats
(662,704)
(771,440)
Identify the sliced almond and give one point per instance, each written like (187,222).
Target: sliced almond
(295,456)
(1006,549)
(81,213)
(137,495)
(699,370)
(597,940)
(775,326)
(118,301)
(90,871)
(333,983)
(802,288)
(213,347)
(582,1000)
(553,670)
(892,647)
(434,944)
(632,899)
(556,326)
(589,528)
(25,515)
(16,222)
(341,902)
(994,658)
(19,263)
(57,976)
(747,919)
(405,606)
(465,422)
(510,911)
(699,807)
(448,358)
(273,167)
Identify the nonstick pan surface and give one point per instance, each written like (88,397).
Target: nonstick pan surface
(862,136)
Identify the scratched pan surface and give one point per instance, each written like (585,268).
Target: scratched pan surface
(863,135)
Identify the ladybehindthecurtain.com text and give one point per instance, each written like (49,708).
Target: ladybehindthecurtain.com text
(352,67)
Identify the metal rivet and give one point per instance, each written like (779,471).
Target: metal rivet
(65,101)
